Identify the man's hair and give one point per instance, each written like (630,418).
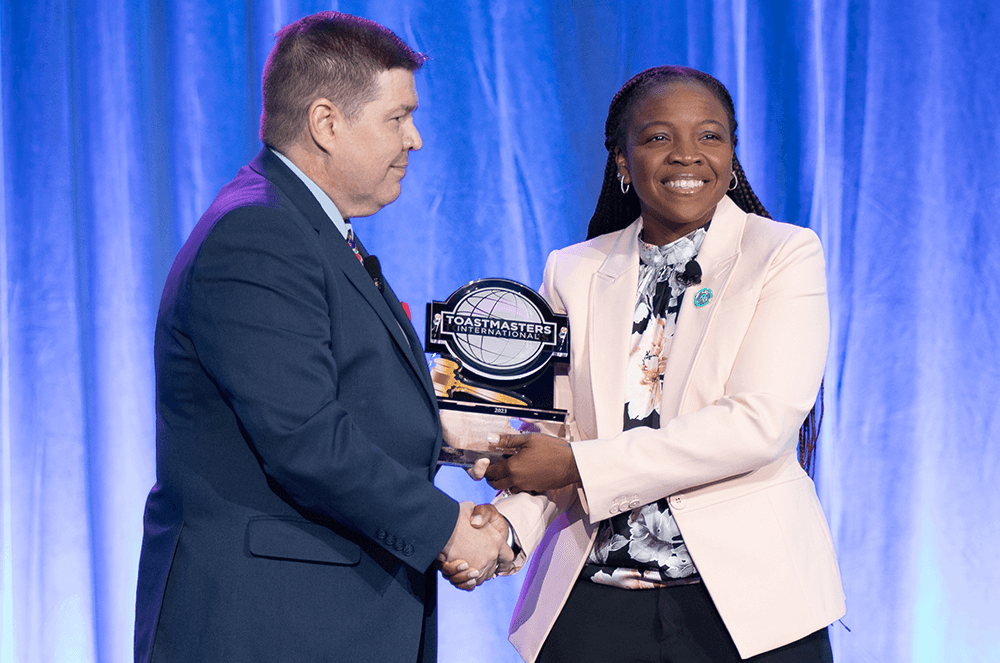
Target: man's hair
(326,55)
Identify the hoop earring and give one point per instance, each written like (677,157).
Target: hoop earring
(735,183)
(623,185)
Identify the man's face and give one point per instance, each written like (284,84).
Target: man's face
(372,150)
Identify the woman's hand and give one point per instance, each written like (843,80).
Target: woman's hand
(540,463)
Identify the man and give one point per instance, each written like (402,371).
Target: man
(294,516)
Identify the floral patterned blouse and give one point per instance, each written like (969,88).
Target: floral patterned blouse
(643,549)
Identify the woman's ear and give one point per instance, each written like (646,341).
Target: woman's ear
(622,163)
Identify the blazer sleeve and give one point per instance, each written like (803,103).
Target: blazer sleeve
(747,414)
(260,321)
(530,515)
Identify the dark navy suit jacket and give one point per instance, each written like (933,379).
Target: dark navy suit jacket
(294,516)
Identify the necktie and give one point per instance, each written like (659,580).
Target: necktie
(354,247)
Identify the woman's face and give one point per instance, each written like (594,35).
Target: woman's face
(678,156)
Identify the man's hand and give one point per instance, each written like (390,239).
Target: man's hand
(478,471)
(540,463)
(477,547)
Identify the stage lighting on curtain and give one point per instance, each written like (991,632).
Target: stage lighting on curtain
(870,121)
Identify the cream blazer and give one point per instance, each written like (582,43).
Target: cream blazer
(741,375)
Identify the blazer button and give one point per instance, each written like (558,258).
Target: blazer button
(390,540)
(408,550)
(634,504)
(380,534)
(399,545)
(677,502)
(614,508)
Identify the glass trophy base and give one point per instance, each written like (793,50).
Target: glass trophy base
(466,426)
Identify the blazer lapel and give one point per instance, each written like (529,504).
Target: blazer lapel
(612,307)
(718,256)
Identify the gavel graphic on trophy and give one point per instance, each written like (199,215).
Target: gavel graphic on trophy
(449,381)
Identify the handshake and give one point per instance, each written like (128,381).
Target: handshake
(477,550)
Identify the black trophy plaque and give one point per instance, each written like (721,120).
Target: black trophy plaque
(498,344)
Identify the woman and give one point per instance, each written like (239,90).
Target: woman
(678,524)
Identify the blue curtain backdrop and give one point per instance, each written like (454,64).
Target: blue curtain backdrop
(872,121)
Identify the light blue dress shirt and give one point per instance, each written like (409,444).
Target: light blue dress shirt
(324,200)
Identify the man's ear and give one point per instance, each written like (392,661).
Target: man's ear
(325,123)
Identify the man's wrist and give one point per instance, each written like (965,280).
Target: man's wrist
(512,539)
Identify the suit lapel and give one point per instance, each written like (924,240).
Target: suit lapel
(388,309)
(391,312)
(612,307)
(398,324)
(718,257)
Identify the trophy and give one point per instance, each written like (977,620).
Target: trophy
(497,345)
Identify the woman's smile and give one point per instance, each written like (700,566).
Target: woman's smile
(684,184)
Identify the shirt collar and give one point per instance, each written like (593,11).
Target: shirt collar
(676,253)
(324,200)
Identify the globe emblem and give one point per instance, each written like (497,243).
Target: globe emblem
(491,352)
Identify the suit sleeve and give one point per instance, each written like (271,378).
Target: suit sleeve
(754,419)
(260,320)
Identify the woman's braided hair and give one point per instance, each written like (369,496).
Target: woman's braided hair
(616,211)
